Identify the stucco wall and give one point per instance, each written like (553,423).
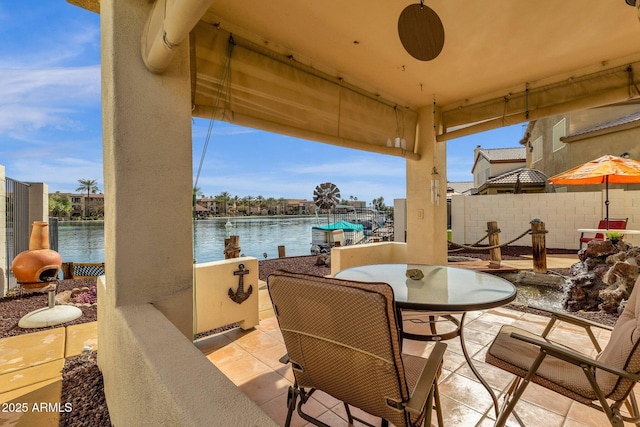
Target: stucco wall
(562,213)
(367,254)
(163,379)
(212,282)
(589,146)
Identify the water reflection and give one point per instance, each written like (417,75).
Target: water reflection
(84,241)
(540,296)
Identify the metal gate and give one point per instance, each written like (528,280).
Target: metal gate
(17,223)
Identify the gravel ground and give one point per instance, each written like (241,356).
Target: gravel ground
(82,381)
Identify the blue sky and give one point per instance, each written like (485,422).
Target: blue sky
(50,123)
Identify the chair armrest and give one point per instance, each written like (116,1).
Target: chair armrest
(574,357)
(575,320)
(428,377)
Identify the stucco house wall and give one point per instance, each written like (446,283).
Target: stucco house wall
(584,142)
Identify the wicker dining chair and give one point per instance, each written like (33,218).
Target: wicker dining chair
(342,338)
(605,382)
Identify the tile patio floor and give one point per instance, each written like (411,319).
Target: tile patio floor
(250,359)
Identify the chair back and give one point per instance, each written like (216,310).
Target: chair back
(614,224)
(622,350)
(342,338)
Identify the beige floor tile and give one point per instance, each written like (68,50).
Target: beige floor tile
(532,415)
(270,356)
(287,372)
(547,399)
(453,361)
(573,423)
(256,341)
(587,416)
(277,335)
(483,325)
(478,337)
(455,414)
(227,354)
(266,314)
(265,387)
(277,410)
(267,325)
(31,349)
(505,312)
(496,318)
(325,399)
(79,336)
(454,346)
(355,412)
(467,392)
(532,327)
(35,374)
(243,368)
(332,419)
(30,400)
(495,377)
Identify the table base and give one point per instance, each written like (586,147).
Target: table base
(435,336)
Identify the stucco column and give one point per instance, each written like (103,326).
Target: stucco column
(427,196)
(147,170)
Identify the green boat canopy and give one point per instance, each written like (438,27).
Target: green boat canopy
(340,225)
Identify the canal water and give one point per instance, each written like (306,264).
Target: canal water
(83,241)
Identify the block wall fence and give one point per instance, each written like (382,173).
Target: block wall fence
(562,213)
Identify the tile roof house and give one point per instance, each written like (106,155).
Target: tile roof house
(521,180)
(492,162)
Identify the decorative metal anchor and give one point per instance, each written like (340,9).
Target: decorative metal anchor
(240,295)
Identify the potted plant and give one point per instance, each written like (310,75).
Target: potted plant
(614,236)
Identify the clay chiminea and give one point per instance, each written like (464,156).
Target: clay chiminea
(36,267)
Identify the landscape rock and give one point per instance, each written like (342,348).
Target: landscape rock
(603,278)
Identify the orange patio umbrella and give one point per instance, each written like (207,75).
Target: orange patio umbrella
(603,170)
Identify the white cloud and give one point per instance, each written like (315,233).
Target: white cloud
(35,99)
(356,166)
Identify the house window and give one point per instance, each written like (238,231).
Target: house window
(536,155)
(559,130)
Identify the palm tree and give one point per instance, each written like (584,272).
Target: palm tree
(271,203)
(236,200)
(249,199)
(90,186)
(59,206)
(283,203)
(260,202)
(224,198)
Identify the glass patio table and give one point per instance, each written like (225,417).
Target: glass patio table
(442,292)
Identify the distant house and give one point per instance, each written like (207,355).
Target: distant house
(521,180)
(83,205)
(558,143)
(493,162)
(462,187)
